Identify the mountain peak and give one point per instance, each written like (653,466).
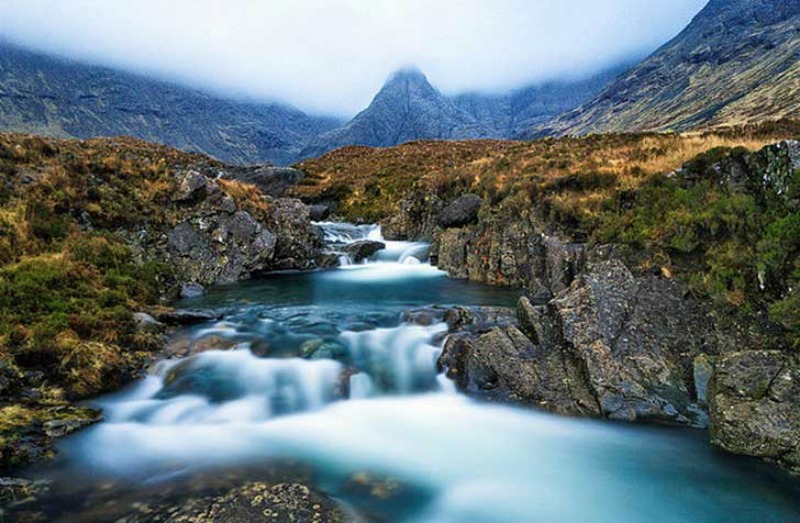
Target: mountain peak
(408,74)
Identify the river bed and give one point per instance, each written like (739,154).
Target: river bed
(322,372)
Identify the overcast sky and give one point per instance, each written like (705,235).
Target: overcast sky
(331,56)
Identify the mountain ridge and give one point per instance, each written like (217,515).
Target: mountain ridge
(737,62)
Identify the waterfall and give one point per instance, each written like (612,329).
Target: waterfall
(338,235)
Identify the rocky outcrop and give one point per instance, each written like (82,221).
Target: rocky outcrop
(218,239)
(754,403)
(510,252)
(463,211)
(612,344)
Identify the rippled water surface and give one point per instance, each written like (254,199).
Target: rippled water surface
(319,369)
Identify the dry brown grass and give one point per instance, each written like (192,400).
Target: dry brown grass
(576,173)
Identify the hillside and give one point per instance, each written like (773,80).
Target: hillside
(409,108)
(59,98)
(737,62)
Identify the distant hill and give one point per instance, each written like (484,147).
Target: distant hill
(409,108)
(406,108)
(737,62)
(50,96)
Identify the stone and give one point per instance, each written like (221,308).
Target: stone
(192,290)
(61,428)
(754,405)
(146,323)
(463,211)
(319,212)
(253,502)
(363,249)
(188,316)
(320,349)
(191,187)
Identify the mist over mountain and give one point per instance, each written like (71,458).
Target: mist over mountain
(737,62)
(51,96)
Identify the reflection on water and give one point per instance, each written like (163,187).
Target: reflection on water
(323,372)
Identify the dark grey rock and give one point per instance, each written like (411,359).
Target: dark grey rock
(754,405)
(188,316)
(463,211)
(192,187)
(319,212)
(363,249)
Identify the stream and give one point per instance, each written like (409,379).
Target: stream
(320,371)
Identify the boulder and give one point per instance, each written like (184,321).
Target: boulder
(319,212)
(637,338)
(188,316)
(319,349)
(363,249)
(463,211)
(192,290)
(191,187)
(147,323)
(754,405)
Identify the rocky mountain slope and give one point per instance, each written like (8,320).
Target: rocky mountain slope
(409,108)
(737,62)
(54,97)
(513,115)
(406,108)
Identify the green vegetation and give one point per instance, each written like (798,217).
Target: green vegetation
(736,244)
(69,283)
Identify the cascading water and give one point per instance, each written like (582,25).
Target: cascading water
(323,371)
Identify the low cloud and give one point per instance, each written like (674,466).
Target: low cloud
(331,56)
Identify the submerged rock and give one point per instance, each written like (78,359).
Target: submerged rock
(251,503)
(320,349)
(363,249)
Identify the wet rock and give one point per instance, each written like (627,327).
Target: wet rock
(363,249)
(61,428)
(463,211)
(319,212)
(298,243)
(188,316)
(754,405)
(251,503)
(320,349)
(503,364)
(192,290)
(637,337)
(426,317)
(478,319)
(17,490)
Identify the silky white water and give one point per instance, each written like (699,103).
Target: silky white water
(369,399)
